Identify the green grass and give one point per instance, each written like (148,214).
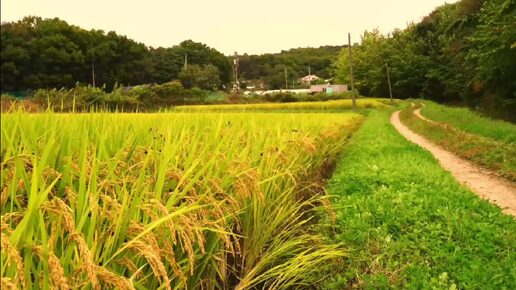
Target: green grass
(471,122)
(216,96)
(490,153)
(409,224)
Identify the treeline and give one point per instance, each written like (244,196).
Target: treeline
(50,53)
(268,70)
(461,53)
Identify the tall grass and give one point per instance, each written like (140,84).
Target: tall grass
(495,154)
(332,105)
(471,122)
(165,201)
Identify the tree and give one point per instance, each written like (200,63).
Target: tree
(203,77)
(270,68)
(493,48)
(462,52)
(45,53)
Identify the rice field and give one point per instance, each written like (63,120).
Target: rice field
(167,201)
(333,105)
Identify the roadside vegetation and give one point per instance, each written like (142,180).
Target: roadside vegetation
(408,224)
(497,154)
(470,121)
(168,201)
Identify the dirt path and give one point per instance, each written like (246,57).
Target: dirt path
(479,180)
(417,112)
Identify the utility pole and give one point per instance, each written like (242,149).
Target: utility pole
(309,77)
(186,61)
(286,79)
(93,73)
(351,74)
(389,81)
(235,68)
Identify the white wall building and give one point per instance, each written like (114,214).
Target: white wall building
(329,89)
(309,78)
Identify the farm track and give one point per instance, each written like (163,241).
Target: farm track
(479,180)
(417,112)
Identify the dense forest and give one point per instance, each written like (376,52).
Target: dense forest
(461,53)
(50,53)
(269,69)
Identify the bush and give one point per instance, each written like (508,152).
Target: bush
(169,90)
(119,98)
(83,98)
(283,97)
(152,96)
(195,96)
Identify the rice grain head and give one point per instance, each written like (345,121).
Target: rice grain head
(112,279)
(57,276)
(84,251)
(14,258)
(7,284)
(157,266)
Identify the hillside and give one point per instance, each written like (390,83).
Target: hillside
(269,69)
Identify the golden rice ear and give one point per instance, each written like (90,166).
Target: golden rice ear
(84,251)
(3,196)
(170,257)
(58,279)
(158,268)
(15,259)
(131,267)
(114,280)
(7,284)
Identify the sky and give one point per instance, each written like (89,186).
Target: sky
(244,26)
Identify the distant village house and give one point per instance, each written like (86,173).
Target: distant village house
(309,78)
(328,89)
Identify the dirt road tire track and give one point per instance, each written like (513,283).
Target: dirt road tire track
(479,180)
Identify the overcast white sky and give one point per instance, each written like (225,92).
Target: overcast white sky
(258,26)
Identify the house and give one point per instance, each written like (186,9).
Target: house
(328,89)
(309,78)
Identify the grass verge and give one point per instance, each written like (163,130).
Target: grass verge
(471,122)
(409,224)
(490,153)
